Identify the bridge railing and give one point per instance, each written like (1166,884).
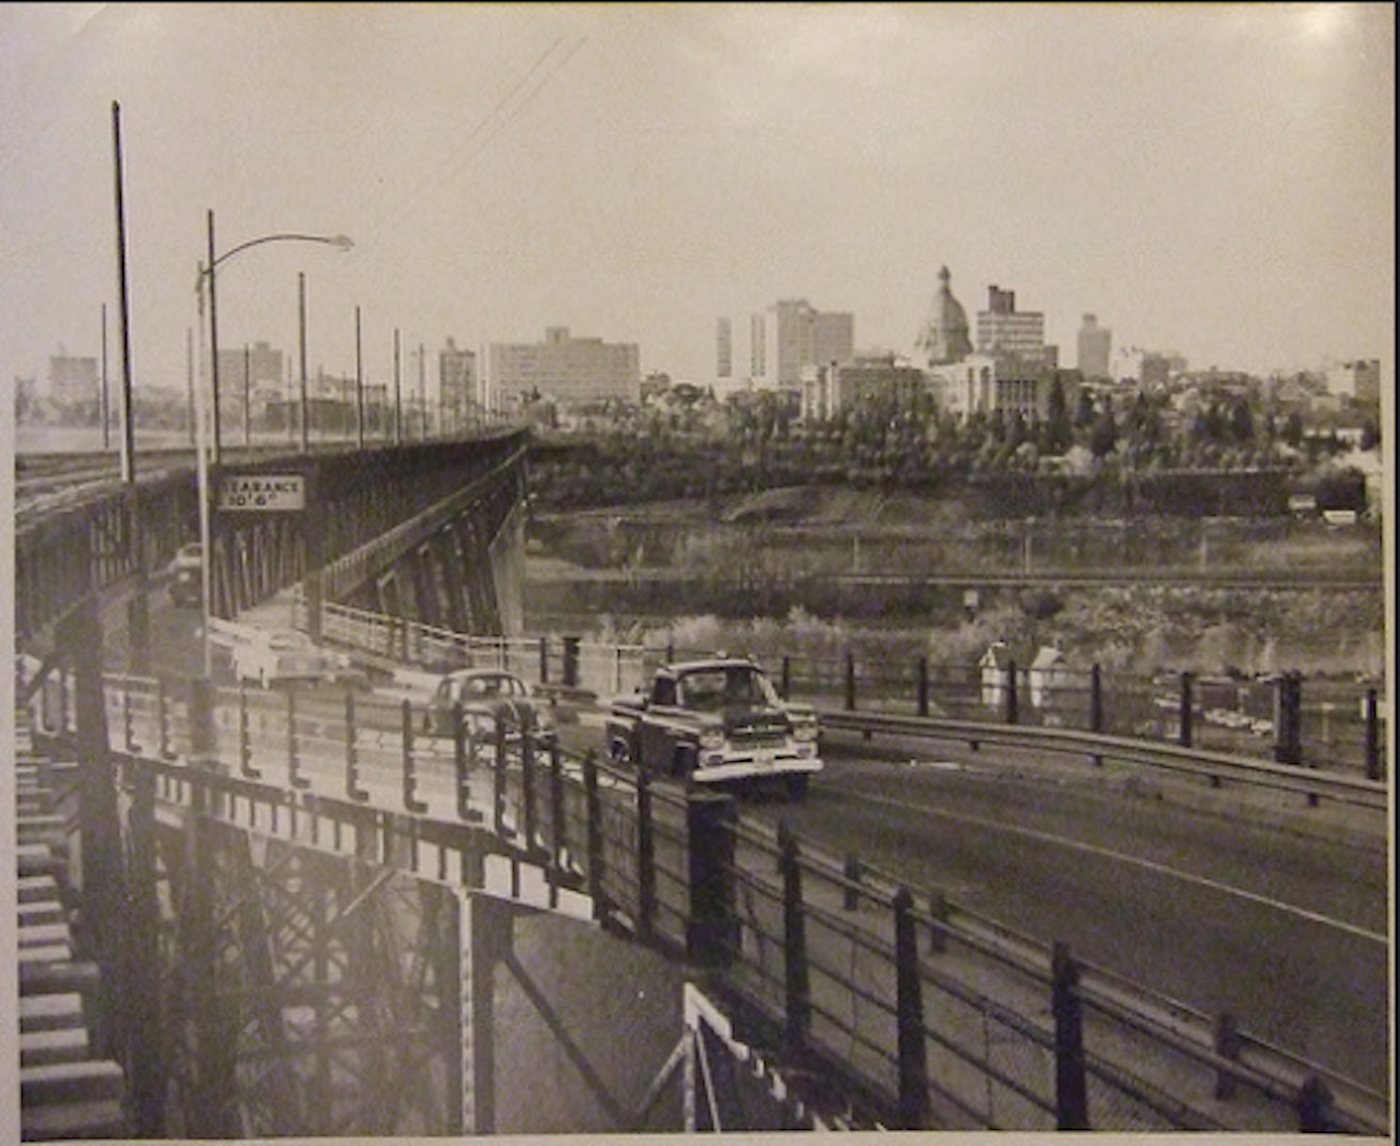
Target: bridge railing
(1333,725)
(923,1013)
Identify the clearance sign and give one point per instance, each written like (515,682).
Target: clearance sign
(267,493)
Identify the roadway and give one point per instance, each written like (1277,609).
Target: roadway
(1283,929)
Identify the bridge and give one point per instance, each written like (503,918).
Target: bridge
(346,927)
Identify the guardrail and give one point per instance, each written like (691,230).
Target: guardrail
(927,1015)
(1215,767)
(1341,727)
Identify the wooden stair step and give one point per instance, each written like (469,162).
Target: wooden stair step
(66,1044)
(50,1012)
(57,977)
(74,1121)
(92,1080)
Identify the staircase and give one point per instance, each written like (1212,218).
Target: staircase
(69,1089)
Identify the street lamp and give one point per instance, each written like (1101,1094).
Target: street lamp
(207,448)
(206,274)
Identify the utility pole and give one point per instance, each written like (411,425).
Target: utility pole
(301,343)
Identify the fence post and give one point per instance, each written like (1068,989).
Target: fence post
(1185,712)
(558,840)
(498,782)
(163,719)
(1313,1104)
(909,1008)
(128,733)
(245,740)
(797,983)
(923,686)
(851,894)
(938,910)
(1013,704)
(1071,1086)
(594,845)
(544,660)
(352,753)
(1096,699)
(1288,740)
(1228,1045)
(646,860)
(294,776)
(1373,737)
(712,931)
(461,763)
(202,738)
(529,811)
(411,802)
(850,682)
(571,662)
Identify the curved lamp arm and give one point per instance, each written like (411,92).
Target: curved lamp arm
(343,242)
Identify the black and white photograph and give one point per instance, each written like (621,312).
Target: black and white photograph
(638,569)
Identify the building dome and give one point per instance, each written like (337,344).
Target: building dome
(945,335)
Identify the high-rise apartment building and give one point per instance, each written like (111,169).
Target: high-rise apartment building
(1359,380)
(567,369)
(1095,348)
(724,349)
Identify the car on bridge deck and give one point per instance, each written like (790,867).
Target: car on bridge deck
(289,657)
(490,699)
(186,572)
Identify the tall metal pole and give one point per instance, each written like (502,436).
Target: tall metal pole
(128,426)
(213,348)
(359,387)
(189,385)
(301,353)
(398,395)
(247,406)
(106,405)
(423,388)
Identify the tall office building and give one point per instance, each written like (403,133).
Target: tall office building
(792,334)
(724,349)
(1005,332)
(456,379)
(1095,348)
(564,368)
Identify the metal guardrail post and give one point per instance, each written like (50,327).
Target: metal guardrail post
(850,682)
(938,911)
(530,809)
(594,806)
(797,981)
(1185,712)
(1071,1084)
(294,776)
(352,754)
(712,928)
(909,1010)
(1228,1045)
(923,686)
(1373,737)
(498,782)
(411,802)
(1313,1104)
(1096,699)
(571,662)
(850,898)
(646,861)
(245,737)
(461,763)
(202,739)
(558,835)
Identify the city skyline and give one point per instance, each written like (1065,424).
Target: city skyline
(636,173)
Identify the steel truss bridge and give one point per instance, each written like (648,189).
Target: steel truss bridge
(285,916)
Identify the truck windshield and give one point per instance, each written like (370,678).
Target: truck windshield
(711,689)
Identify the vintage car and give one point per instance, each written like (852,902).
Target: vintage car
(716,720)
(488,701)
(186,572)
(289,657)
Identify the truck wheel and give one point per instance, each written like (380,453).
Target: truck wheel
(797,787)
(683,765)
(621,752)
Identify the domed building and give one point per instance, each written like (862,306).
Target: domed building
(945,338)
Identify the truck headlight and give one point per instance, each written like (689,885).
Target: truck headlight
(805,730)
(712,739)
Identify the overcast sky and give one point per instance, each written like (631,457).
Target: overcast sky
(1213,179)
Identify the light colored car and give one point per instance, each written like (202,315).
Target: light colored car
(490,699)
(186,571)
(286,656)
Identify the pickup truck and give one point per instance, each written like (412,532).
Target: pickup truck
(715,720)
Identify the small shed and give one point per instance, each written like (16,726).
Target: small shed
(1041,673)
